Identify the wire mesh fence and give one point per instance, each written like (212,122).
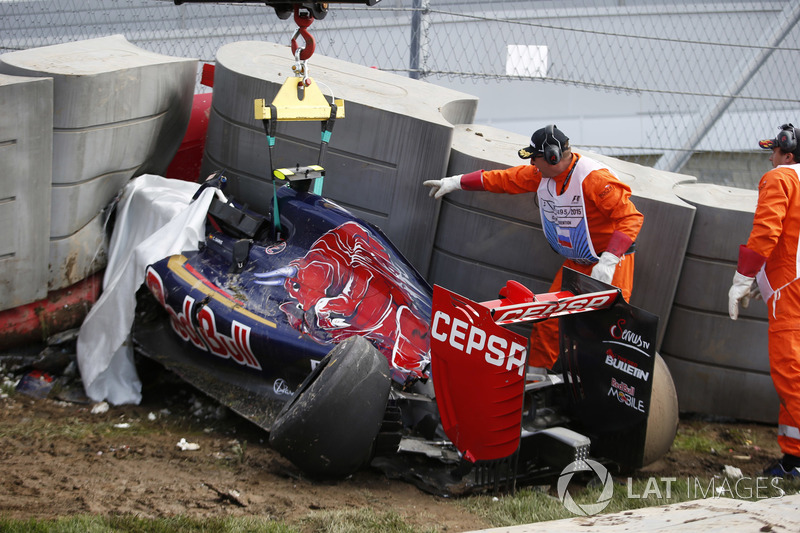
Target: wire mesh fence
(682,86)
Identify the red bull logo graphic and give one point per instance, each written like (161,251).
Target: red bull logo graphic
(206,336)
(626,398)
(624,387)
(346,285)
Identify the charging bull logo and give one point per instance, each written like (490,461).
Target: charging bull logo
(346,285)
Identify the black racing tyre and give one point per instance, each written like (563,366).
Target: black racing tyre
(329,427)
(662,419)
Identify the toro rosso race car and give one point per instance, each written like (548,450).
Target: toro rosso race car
(307,321)
(332,342)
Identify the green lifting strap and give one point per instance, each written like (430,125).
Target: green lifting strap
(270,125)
(327,132)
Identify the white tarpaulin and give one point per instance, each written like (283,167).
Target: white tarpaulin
(155,218)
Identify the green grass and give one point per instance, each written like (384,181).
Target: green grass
(360,521)
(700,438)
(7,388)
(135,524)
(341,521)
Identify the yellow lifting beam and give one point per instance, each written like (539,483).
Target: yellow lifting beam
(297,101)
(299,173)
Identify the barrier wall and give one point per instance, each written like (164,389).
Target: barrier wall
(118,111)
(396,133)
(720,366)
(26,151)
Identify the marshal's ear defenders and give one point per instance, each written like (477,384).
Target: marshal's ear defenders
(551,147)
(787,140)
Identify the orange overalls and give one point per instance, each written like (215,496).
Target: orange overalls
(775,236)
(608,210)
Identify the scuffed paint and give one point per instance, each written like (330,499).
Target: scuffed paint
(59,311)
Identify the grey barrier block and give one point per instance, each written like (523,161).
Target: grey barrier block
(664,238)
(723,392)
(483,239)
(26,149)
(118,111)
(85,251)
(721,366)
(396,133)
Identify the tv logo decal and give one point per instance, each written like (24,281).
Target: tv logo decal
(586,509)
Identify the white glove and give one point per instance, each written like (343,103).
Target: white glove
(443,186)
(739,291)
(605,268)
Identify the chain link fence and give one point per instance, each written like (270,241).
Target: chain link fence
(681,86)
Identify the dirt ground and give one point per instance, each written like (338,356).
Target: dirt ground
(59,458)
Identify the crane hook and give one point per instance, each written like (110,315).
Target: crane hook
(303,20)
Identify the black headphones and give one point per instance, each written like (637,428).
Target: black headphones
(787,140)
(551,148)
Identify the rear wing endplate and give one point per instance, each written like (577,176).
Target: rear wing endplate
(478,366)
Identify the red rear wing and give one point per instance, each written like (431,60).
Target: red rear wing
(550,305)
(478,366)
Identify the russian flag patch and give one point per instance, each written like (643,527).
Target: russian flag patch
(563,237)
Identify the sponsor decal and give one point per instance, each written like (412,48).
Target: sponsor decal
(469,339)
(626,398)
(572,304)
(625,365)
(626,337)
(275,248)
(281,387)
(205,336)
(621,385)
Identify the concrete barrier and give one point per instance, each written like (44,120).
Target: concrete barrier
(720,366)
(118,111)
(395,134)
(26,150)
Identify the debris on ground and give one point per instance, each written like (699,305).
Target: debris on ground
(231,495)
(36,384)
(100,408)
(186,446)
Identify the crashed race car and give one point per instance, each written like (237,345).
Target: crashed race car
(307,321)
(327,338)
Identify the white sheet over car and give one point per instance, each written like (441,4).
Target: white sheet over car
(155,218)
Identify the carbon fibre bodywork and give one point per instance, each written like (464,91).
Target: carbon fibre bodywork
(254,319)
